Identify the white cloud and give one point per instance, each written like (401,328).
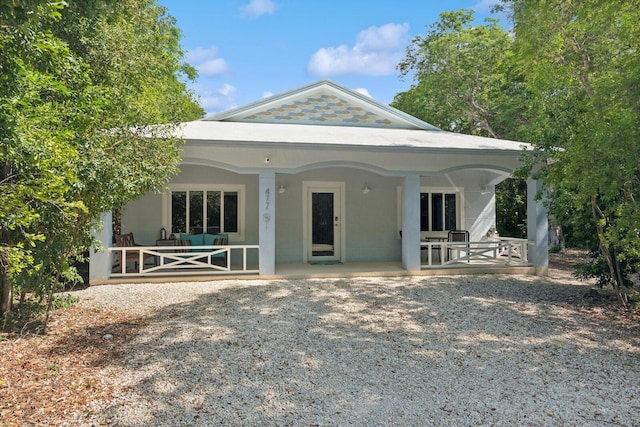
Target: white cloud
(267,94)
(363,91)
(257,8)
(214,67)
(206,61)
(228,90)
(217,100)
(376,53)
(200,54)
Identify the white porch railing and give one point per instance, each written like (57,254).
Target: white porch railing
(181,260)
(505,251)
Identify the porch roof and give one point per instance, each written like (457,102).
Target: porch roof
(319,135)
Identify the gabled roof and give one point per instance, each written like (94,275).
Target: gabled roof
(325,115)
(323,103)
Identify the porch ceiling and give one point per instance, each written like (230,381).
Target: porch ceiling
(295,158)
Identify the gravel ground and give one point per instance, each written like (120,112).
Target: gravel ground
(437,351)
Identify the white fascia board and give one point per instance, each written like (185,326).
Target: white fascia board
(343,136)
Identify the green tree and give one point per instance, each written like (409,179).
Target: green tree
(465,77)
(466,81)
(35,150)
(81,86)
(581,61)
(511,207)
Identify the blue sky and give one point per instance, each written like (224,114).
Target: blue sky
(245,50)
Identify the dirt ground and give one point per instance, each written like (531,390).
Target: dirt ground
(562,263)
(46,379)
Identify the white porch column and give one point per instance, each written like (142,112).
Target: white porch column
(537,228)
(100,262)
(411,223)
(266,203)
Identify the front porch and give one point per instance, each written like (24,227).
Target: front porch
(167,264)
(373,247)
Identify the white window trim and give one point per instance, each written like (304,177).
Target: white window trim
(460,217)
(239,188)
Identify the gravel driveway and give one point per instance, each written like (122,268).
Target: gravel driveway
(437,351)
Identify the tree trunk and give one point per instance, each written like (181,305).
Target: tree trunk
(605,250)
(6,288)
(52,288)
(6,296)
(556,236)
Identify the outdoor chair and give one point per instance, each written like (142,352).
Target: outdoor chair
(217,259)
(221,258)
(127,241)
(458,236)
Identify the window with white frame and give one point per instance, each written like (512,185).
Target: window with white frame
(210,210)
(440,209)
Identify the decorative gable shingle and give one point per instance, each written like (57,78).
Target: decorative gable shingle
(321,108)
(323,103)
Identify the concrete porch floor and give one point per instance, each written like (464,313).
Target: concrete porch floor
(390,269)
(351,269)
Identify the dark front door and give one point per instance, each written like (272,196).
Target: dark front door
(324,223)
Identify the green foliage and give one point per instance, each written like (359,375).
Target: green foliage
(555,249)
(65,301)
(466,81)
(511,208)
(35,155)
(80,85)
(580,61)
(598,269)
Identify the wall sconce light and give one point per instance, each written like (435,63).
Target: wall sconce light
(282,189)
(366,189)
(484,190)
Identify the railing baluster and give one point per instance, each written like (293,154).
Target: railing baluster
(244,258)
(174,262)
(509,251)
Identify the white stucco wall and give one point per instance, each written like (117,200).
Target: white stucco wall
(370,221)
(144,216)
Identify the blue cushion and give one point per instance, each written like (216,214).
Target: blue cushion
(204,240)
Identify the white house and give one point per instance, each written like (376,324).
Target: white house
(324,175)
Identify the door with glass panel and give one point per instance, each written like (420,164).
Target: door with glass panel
(323,230)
